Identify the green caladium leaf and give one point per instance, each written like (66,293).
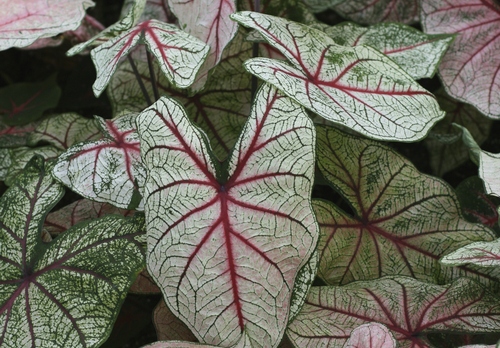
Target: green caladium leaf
(410,309)
(357,87)
(107,170)
(484,254)
(196,211)
(371,335)
(65,130)
(20,156)
(402,223)
(23,22)
(179,54)
(71,281)
(23,103)
(372,12)
(416,53)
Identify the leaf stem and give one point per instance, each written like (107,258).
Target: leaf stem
(152,75)
(139,80)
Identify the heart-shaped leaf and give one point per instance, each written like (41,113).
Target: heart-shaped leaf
(21,22)
(375,11)
(371,335)
(402,223)
(66,293)
(485,254)
(226,245)
(357,87)
(469,70)
(409,308)
(417,53)
(179,54)
(107,170)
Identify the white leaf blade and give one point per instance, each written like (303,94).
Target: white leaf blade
(485,254)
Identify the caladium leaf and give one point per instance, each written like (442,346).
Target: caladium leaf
(321,5)
(62,282)
(20,156)
(371,12)
(243,342)
(357,87)
(409,308)
(169,327)
(253,221)
(65,130)
(417,53)
(403,221)
(485,254)
(23,103)
(21,22)
(469,70)
(15,136)
(371,335)
(107,170)
(179,54)
(81,210)
(207,20)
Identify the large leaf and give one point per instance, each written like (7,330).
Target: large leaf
(469,69)
(417,53)
(66,293)
(409,308)
(485,254)
(226,245)
(402,223)
(375,11)
(357,87)
(371,335)
(22,22)
(179,54)
(207,20)
(107,170)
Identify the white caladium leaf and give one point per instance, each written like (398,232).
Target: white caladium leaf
(469,70)
(69,281)
(357,87)
(107,170)
(371,335)
(179,54)
(207,20)
(408,308)
(20,156)
(22,22)
(64,130)
(402,222)
(371,12)
(416,53)
(485,254)
(446,156)
(226,245)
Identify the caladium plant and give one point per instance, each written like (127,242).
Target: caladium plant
(260,229)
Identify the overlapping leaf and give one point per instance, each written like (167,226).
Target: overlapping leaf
(21,22)
(375,11)
(485,254)
(371,335)
(179,54)
(12,136)
(107,170)
(18,157)
(417,53)
(66,293)
(403,221)
(357,87)
(469,70)
(226,245)
(409,308)
(169,327)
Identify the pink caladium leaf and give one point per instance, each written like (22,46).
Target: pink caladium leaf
(333,81)
(402,223)
(484,254)
(207,20)
(21,22)
(70,281)
(417,53)
(179,54)
(469,70)
(169,327)
(371,335)
(65,130)
(408,308)
(251,221)
(107,170)
(375,11)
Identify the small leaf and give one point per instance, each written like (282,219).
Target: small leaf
(66,293)
(402,222)
(227,244)
(372,12)
(180,55)
(357,87)
(408,308)
(23,22)
(371,335)
(107,170)
(23,103)
(469,70)
(417,53)
(484,254)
